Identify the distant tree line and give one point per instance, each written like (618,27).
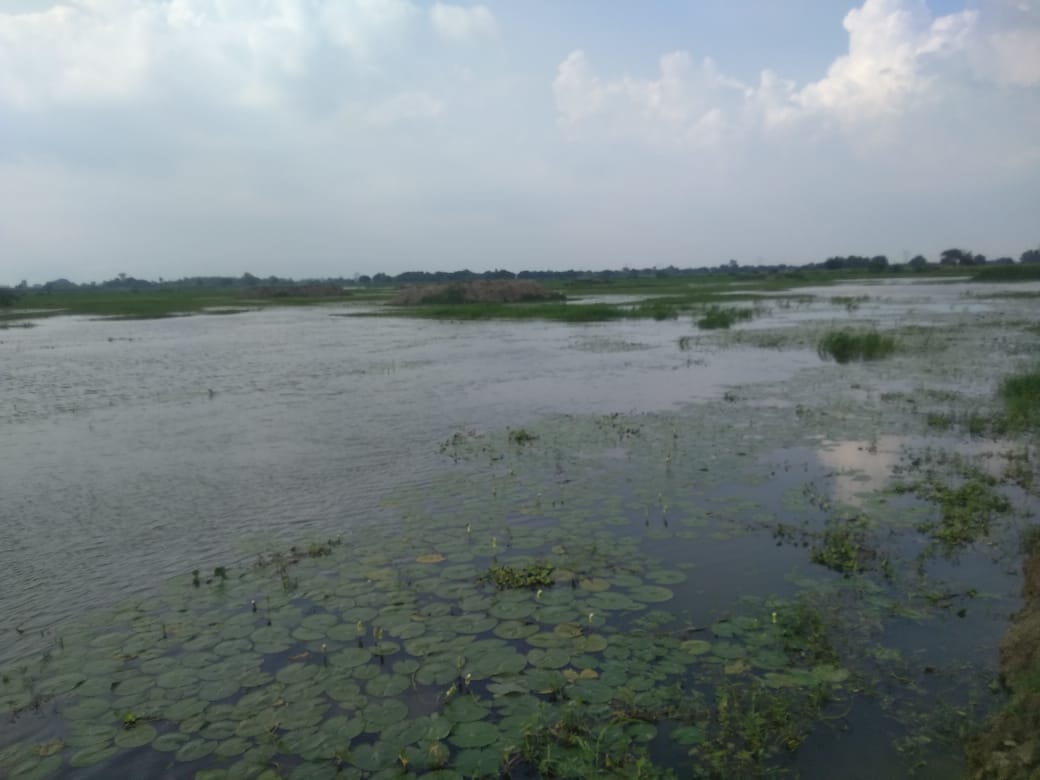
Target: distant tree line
(875,263)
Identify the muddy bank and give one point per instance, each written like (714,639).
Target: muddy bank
(1009,746)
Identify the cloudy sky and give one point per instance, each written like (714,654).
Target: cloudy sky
(164,138)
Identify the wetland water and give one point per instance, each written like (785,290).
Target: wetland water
(681,495)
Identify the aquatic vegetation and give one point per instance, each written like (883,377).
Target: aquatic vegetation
(844,346)
(1021,396)
(716,317)
(535,575)
(521,436)
(967,509)
(842,546)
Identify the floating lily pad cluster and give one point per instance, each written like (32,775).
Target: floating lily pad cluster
(371,662)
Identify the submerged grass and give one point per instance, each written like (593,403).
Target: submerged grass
(844,346)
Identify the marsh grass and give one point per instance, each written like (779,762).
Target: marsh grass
(844,346)
(1021,396)
(1001,273)
(722,317)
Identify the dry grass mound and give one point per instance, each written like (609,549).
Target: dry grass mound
(483,291)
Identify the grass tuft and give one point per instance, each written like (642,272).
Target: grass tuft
(1021,396)
(844,345)
(721,317)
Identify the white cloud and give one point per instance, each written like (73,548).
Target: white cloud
(462,24)
(1015,57)
(891,45)
(364,26)
(241,51)
(83,51)
(685,103)
(405,107)
(901,62)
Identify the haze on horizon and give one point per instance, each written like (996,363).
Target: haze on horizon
(313,138)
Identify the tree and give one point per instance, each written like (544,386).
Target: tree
(1030,256)
(918,262)
(878,263)
(953,257)
(7,296)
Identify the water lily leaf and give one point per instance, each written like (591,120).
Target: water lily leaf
(350,657)
(92,755)
(387,685)
(499,661)
(688,735)
(373,757)
(593,643)
(168,743)
(463,709)
(592,691)
(474,624)
(216,690)
(514,629)
(386,648)
(666,577)
(428,558)
(728,650)
(218,731)
(229,748)
(343,729)
(569,630)
(474,734)
(549,658)
(297,673)
(194,750)
(650,593)
(695,646)
(594,584)
(141,734)
(483,762)
(508,687)
(380,714)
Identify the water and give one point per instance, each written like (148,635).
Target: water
(133,451)
(136,451)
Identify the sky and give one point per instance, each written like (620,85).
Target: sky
(316,138)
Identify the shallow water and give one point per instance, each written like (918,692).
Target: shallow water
(136,451)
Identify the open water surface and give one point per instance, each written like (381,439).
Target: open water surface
(132,452)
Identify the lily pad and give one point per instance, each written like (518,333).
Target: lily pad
(141,734)
(473,734)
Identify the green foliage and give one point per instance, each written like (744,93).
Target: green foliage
(751,725)
(966,510)
(847,345)
(7,296)
(1007,273)
(719,317)
(535,575)
(842,546)
(579,744)
(1021,396)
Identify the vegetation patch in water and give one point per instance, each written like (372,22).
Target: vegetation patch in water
(1021,395)
(535,575)
(844,346)
(721,317)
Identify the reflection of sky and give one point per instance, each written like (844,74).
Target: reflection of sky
(859,465)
